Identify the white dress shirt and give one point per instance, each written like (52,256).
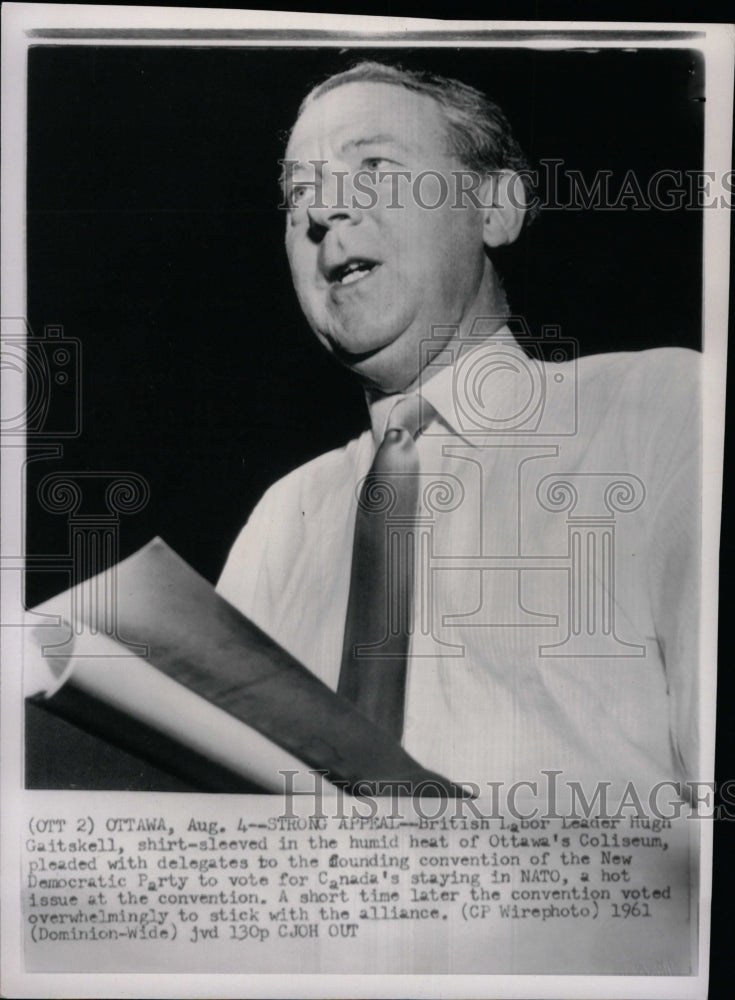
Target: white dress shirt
(557,596)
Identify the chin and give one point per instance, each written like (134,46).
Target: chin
(391,368)
(359,341)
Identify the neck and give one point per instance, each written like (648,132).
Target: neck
(449,353)
(487,314)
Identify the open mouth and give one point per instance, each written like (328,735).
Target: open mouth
(352,271)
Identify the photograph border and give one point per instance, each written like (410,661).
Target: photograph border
(25,25)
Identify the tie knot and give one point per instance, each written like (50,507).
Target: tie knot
(411,414)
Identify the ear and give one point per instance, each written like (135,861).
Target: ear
(503,197)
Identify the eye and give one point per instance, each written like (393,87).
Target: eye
(299,194)
(373,164)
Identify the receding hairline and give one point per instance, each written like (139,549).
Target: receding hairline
(338,83)
(324,89)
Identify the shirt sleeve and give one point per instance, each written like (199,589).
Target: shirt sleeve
(674,553)
(244,581)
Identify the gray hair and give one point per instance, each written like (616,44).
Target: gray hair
(479,133)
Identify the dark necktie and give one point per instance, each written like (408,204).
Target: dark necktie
(380,609)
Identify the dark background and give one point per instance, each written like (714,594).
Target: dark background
(155,238)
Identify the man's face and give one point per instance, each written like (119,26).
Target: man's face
(373,281)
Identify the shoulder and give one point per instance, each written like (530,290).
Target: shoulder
(653,392)
(678,366)
(641,410)
(295,513)
(661,375)
(317,480)
(307,495)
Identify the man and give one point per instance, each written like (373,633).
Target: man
(540,608)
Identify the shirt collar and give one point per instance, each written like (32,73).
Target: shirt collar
(452,397)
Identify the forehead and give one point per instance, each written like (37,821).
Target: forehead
(357,111)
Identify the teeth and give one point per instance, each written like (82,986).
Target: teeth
(353,272)
(353,276)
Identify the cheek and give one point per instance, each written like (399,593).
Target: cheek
(302,268)
(462,243)
(441,235)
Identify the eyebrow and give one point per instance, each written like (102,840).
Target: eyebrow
(370,140)
(298,166)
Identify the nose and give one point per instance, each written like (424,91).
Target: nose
(334,202)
